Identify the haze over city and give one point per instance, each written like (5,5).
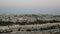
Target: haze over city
(29,6)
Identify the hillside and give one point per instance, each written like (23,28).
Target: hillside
(44,24)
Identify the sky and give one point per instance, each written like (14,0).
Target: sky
(29,6)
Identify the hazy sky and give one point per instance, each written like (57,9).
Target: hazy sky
(30,6)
